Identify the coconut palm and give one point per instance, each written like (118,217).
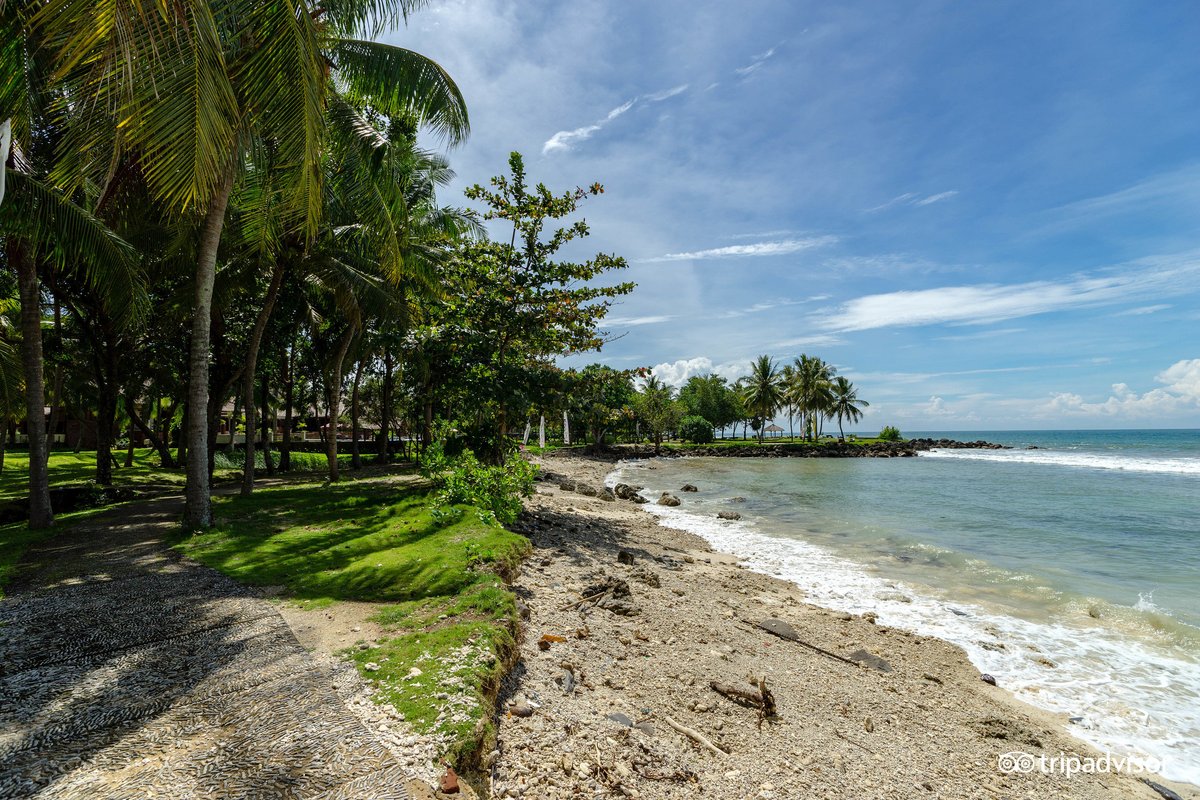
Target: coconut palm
(201,89)
(763,391)
(846,403)
(809,391)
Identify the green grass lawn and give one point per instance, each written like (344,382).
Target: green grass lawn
(67,468)
(440,573)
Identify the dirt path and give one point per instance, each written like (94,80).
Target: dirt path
(129,671)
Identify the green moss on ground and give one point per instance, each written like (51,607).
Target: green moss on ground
(73,469)
(441,574)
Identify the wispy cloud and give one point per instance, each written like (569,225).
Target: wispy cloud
(995,302)
(936,198)
(564,140)
(626,322)
(776,248)
(756,63)
(763,235)
(1142,310)
(657,97)
(912,199)
(818,340)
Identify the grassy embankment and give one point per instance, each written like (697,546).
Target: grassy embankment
(439,575)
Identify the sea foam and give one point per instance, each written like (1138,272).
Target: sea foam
(1105,461)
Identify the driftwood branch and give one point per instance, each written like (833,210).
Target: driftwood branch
(760,699)
(695,736)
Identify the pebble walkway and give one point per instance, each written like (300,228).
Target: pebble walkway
(127,671)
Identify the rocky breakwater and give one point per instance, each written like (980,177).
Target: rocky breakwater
(826,449)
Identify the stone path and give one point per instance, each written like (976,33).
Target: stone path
(127,671)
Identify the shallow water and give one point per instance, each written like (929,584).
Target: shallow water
(1082,554)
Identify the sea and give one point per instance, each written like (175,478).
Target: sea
(1068,567)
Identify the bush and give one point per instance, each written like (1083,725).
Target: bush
(890,434)
(696,429)
(497,490)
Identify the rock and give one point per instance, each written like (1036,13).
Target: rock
(668,500)
(587,490)
(869,617)
(521,709)
(625,557)
(932,678)
(988,679)
(626,491)
(620,719)
(688,487)
(413,673)
(567,486)
(648,577)
(371,666)
(737,499)
(870,660)
(730,515)
(448,783)
(637,498)
(645,727)
(607,495)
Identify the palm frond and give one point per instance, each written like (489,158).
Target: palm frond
(397,81)
(58,229)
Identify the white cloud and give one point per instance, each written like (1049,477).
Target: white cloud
(755,64)
(657,97)
(984,303)
(564,139)
(820,340)
(895,201)
(676,373)
(1180,392)
(622,322)
(777,248)
(1142,310)
(936,198)
(913,199)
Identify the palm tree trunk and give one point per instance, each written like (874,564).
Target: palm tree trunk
(355,456)
(198,511)
(248,372)
(268,428)
(41,515)
(385,415)
(335,402)
(289,384)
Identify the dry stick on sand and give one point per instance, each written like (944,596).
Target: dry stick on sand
(761,700)
(696,737)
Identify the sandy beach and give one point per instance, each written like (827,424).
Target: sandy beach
(616,697)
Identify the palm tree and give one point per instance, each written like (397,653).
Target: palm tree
(763,391)
(845,398)
(809,390)
(201,89)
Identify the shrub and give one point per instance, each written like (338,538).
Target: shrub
(696,429)
(497,490)
(890,434)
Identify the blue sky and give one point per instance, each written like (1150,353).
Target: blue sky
(986,215)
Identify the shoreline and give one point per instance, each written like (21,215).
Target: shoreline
(928,727)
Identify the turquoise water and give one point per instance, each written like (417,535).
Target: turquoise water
(1083,553)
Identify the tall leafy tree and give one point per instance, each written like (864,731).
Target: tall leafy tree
(197,90)
(657,408)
